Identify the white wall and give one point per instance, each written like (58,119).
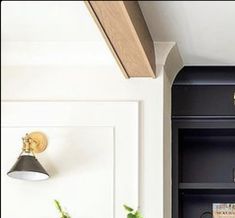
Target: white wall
(72,84)
(63,84)
(34,71)
(74,160)
(86,157)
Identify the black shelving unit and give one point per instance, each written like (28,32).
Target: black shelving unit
(203,140)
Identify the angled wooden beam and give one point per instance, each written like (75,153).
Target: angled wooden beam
(124,29)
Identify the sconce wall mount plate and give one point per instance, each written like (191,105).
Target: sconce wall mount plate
(38,141)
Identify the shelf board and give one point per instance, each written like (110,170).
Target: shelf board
(207,188)
(187,186)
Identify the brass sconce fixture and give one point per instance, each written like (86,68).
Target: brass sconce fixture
(27,166)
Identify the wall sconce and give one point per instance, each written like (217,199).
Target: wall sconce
(27,166)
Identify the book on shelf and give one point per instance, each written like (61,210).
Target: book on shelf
(223,210)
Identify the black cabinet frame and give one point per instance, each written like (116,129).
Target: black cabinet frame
(178,187)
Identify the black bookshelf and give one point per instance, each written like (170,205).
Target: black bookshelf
(203,140)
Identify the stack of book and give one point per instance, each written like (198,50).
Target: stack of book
(224,210)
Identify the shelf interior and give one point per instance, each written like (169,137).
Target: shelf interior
(206,170)
(206,155)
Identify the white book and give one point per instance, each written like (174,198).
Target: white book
(224,210)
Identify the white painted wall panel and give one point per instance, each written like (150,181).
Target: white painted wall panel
(80,163)
(93,157)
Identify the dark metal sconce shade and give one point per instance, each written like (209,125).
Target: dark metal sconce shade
(27,167)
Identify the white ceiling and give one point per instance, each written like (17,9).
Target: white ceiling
(64,33)
(203,30)
(51,33)
(47,21)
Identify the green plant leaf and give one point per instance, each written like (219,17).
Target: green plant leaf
(57,204)
(63,213)
(66,215)
(127,208)
(130,215)
(138,214)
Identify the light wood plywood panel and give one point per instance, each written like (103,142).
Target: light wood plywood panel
(126,32)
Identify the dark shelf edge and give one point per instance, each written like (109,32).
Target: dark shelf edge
(215,186)
(183,117)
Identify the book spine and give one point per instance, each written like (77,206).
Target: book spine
(233,174)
